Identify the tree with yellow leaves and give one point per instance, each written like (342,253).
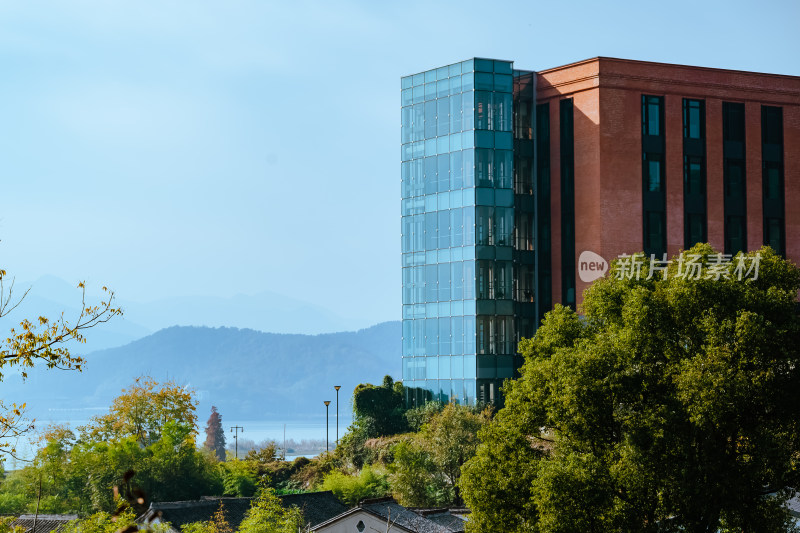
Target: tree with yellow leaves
(42,341)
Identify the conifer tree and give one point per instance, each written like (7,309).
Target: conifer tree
(215,434)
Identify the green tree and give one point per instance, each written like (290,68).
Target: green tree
(142,411)
(369,483)
(215,434)
(378,410)
(427,466)
(670,405)
(267,515)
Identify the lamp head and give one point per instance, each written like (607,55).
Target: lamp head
(327,403)
(337,387)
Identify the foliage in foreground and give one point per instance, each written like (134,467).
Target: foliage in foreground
(671,405)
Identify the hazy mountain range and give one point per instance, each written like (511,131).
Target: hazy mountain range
(247,374)
(264,311)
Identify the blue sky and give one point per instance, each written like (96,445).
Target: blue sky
(212,148)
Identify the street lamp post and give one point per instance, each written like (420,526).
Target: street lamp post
(337,387)
(236,438)
(327,403)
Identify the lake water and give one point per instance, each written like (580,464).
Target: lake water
(256,431)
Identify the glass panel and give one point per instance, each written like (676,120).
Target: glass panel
(418,79)
(443,172)
(443,114)
(457,366)
(431,367)
(467,82)
(484,65)
(455,70)
(430,76)
(483,110)
(444,335)
(444,368)
(456,172)
(457,332)
(469,283)
(418,94)
(503,83)
(455,113)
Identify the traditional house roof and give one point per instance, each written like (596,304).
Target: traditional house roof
(315,506)
(403,519)
(45,523)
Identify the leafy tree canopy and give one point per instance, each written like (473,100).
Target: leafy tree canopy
(670,405)
(142,410)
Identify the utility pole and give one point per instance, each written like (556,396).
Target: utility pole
(236,438)
(337,387)
(327,403)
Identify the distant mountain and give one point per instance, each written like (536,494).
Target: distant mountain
(247,374)
(265,311)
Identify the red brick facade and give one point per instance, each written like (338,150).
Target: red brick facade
(607,96)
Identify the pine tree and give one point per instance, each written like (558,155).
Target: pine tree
(215,435)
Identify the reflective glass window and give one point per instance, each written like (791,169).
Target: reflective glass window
(469,167)
(467,81)
(503,83)
(469,285)
(443,116)
(484,163)
(431,367)
(431,336)
(444,234)
(418,95)
(444,336)
(469,333)
(469,229)
(430,232)
(443,172)
(483,110)
(503,168)
(430,76)
(456,171)
(430,119)
(456,230)
(444,371)
(455,113)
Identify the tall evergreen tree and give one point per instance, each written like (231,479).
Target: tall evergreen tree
(215,435)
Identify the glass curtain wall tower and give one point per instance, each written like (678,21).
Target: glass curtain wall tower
(468,214)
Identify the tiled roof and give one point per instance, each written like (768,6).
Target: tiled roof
(45,523)
(406,520)
(316,507)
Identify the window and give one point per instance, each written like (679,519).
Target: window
(773,184)
(653,165)
(734,182)
(695,229)
(733,121)
(654,233)
(566,114)
(735,232)
(771,125)
(693,119)
(693,176)
(651,115)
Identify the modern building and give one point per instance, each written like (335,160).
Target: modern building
(508,176)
